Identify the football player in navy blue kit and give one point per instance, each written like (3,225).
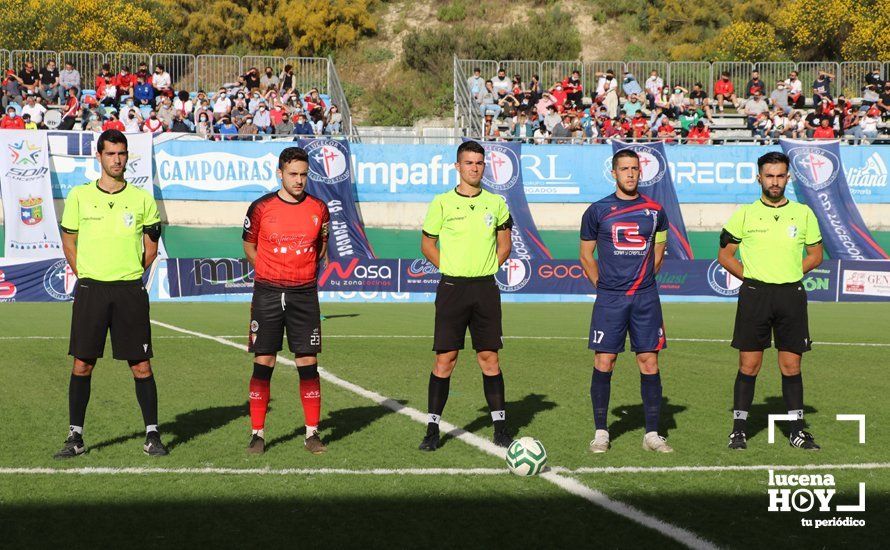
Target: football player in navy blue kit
(630,231)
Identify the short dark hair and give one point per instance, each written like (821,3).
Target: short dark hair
(470,147)
(624,154)
(773,157)
(110,136)
(291,154)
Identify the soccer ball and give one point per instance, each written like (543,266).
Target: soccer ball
(526,457)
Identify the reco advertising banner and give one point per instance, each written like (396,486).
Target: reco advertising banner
(200,277)
(819,181)
(242,171)
(503,177)
(655,182)
(73,160)
(31,228)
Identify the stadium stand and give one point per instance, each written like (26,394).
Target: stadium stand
(214,96)
(686,102)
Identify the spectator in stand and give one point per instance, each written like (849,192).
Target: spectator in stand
(165,112)
(476,84)
(534,89)
(810,124)
(633,106)
(883,103)
(753,108)
(798,126)
(699,134)
(562,130)
(125,109)
(335,121)
(269,81)
(29,124)
(288,82)
(824,131)
(501,82)
(699,98)
(153,124)
(103,72)
(91,122)
(143,92)
(183,104)
(631,86)
(541,106)
(222,105)
(227,129)
(490,130)
(782,126)
(238,114)
(573,87)
(763,126)
(285,127)
(654,85)
(688,118)
(541,136)
(107,92)
(69,77)
(850,125)
(248,130)
(677,102)
(161,82)
(12,121)
(12,89)
(869,127)
(656,117)
(623,124)
(666,131)
(779,98)
(724,91)
(755,85)
(822,87)
(112,123)
(125,81)
(277,112)
(132,121)
(28,78)
(488,101)
(639,125)
(507,102)
(71,110)
(313,100)
(605,82)
(302,126)
(35,110)
(874,77)
(825,107)
(181,125)
(870,96)
(559,96)
(794,87)
(551,119)
(843,106)
(143,72)
(251,79)
(204,127)
(262,120)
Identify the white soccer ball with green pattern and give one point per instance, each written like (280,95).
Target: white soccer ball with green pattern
(526,457)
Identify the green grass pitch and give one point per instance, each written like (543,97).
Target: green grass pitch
(385,348)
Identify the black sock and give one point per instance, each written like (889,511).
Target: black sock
(650,391)
(262,372)
(436,399)
(78,399)
(147,395)
(743,396)
(792,394)
(494,395)
(600,391)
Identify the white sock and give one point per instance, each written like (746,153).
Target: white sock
(260,433)
(498,415)
(433,419)
(75,429)
(310,431)
(151,428)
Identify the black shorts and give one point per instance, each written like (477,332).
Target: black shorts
(271,310)
(468,302)
(765,309)
(121,306)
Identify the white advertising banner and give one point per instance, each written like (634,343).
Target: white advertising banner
(31,228)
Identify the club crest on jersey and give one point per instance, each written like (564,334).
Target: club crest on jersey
(489,219)
(129,219)
(792,231)
(254,326)
(315,220)
(246,222)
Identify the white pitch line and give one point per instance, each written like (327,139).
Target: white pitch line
(683,536)
(259,471)
(739,468)
(406,336)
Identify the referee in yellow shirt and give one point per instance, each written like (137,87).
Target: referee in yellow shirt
(110,233)
(472,229)
(771,235)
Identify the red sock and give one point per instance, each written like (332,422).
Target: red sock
(259,402)
(310,395)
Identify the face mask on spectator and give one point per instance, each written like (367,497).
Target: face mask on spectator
(94,117)
(154,116)
(132,115)
(203,119)
(268,73)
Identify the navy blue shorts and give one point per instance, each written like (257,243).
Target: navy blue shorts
(615,314)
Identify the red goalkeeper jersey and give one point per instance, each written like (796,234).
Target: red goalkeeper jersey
(289,237)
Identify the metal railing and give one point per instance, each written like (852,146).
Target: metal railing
(338,97)
(466,109)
